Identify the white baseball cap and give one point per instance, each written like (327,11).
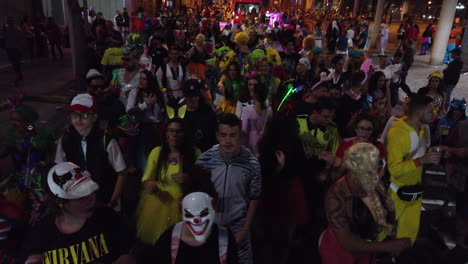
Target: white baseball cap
(68,181)
(93,73)
(83,103)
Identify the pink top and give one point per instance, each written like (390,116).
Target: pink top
(253,126)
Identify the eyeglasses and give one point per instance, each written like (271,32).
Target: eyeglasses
(82,116)
(365,129)
(174,132)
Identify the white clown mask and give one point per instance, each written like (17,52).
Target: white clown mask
(198,214)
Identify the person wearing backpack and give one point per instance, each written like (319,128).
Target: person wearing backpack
(94,150)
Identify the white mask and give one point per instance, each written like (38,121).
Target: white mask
(198,214)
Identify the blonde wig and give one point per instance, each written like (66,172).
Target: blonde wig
(362,162)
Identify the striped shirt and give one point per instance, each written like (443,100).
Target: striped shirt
(237,181)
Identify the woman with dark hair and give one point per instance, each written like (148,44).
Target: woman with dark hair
(230,87)
(304,75)
(435,90)
(283,205)
(426,39)
(364,131)
(254,119)
(158,208)
(147,93)
(376,85)
(246,96)
(146,103)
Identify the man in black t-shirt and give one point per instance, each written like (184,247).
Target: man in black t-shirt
(79,232)
(452,74)
(199,116)
(290,58)
(157,52)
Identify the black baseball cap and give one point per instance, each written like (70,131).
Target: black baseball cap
(192,87)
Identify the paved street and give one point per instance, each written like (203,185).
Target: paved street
(44,77)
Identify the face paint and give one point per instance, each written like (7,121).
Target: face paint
(198,214)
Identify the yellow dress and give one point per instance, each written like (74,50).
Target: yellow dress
(157,212)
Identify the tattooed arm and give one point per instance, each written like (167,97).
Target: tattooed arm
(338,202)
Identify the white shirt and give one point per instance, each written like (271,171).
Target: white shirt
(125,88)
(174,87)
(350,34)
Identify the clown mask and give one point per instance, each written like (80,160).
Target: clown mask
(198,214)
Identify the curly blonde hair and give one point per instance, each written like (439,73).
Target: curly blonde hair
(362,162)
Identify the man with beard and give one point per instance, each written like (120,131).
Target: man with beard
(110,108)
(172,75)
(127,77)
(407,142)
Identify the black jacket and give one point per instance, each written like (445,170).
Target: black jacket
(453,71)
(96,160)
